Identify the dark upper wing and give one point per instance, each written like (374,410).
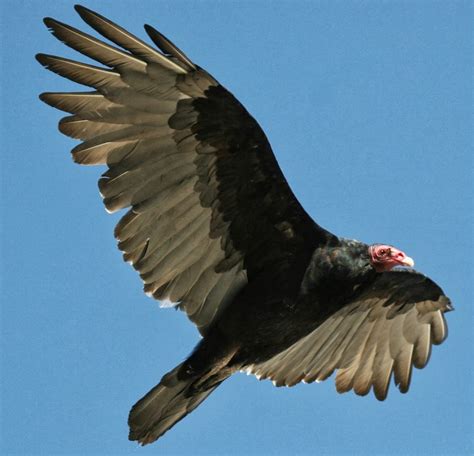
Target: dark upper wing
(387,328)
(210,208)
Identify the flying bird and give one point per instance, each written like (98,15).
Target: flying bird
(214,229)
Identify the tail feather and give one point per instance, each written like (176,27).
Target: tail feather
(166,404)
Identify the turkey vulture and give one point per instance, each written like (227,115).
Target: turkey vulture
(214,229)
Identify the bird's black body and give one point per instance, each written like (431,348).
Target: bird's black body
(214,228)
(269,315)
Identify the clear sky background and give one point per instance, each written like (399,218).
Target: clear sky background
(368,107)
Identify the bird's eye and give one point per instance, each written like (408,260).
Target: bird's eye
(382,252)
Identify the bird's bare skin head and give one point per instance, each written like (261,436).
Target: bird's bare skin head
(385,257)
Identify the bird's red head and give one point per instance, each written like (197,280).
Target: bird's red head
(385,257)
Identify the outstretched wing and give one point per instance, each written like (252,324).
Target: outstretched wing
(210,208)
(387,328)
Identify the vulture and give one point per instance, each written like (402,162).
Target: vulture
(214,229)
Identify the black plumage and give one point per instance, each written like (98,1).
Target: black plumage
(213,227)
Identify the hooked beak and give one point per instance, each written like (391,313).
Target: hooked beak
(399,257)
(407,261)
(403,260)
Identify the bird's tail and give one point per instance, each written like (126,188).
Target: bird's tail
(169,402)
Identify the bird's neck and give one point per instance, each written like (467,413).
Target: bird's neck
(337,271)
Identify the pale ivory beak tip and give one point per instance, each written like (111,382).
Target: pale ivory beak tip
(407,261)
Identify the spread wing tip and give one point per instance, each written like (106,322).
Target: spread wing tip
(168,47)
(42,58)
(83,10)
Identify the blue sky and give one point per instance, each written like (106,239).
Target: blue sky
(368,107)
